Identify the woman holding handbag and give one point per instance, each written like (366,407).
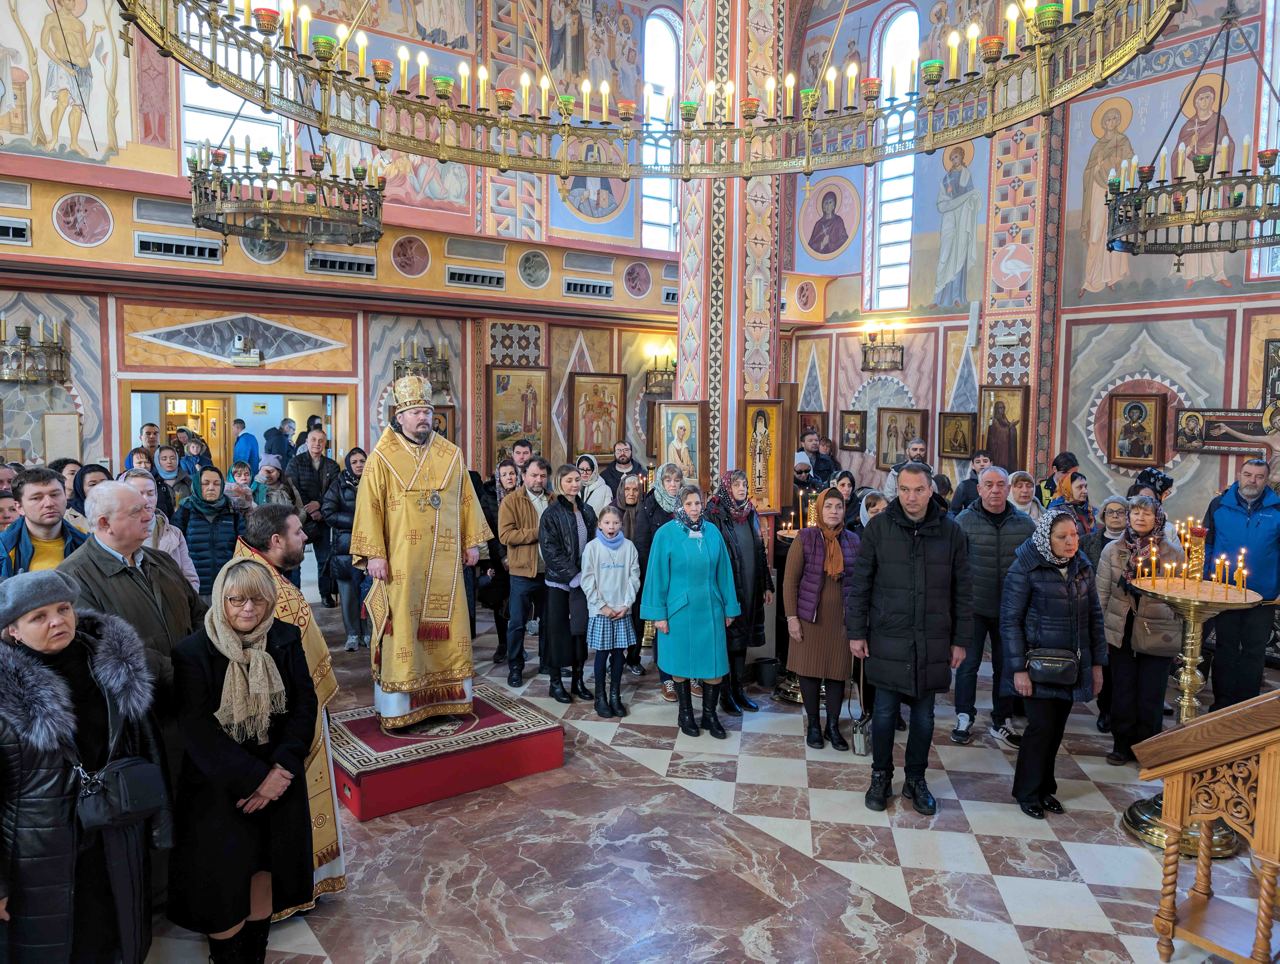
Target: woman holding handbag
(75,691)
(564,531)
(1055,648)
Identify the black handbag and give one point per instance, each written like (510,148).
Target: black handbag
(124,792)
(1053,667)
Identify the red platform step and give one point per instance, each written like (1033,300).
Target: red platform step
(379,773)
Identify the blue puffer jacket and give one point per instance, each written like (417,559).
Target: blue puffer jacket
(210,539)
(1233,526)
(1042,610)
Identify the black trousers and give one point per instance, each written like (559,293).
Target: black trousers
(1138,683)
(1033,777)
(564,649)
(1240,655)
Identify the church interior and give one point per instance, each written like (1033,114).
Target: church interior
(708,229)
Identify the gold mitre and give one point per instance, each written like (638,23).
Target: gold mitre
(412,391)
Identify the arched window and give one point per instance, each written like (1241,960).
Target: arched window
(659,195)
(895,177)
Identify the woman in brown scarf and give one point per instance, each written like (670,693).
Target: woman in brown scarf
(818,580)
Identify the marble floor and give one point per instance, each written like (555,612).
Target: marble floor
(649,845)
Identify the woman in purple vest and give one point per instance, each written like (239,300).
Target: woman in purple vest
(815,590)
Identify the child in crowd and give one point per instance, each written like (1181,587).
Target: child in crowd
(191,461)
(610,580)
(240,491)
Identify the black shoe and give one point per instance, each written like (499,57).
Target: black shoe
(603,709)
(1033,810)
(837,741)
(253,936)
(515,675)
(917,791)
(499,657)
(737,679)
(615,700)
(880,790)
(1118,758)
(1103,723)
(635,669)
(1168,710)
(543,668)
(813,735)
(726,701)
(557,691)
(578,688)
(710,722)
(1051,804)
(228,950)
(684,696)
(330,601)
(900,725)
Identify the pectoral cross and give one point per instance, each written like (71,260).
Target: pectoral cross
(433,500)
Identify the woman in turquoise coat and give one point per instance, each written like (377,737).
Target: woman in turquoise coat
(690,596)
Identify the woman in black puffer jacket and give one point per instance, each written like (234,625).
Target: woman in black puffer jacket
(1050,602)
(338,510)
(212,525)
(72,686)
(566,527)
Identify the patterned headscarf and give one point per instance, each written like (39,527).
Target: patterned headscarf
(1041,536)
(737,511)
(667,503)
(1139,547)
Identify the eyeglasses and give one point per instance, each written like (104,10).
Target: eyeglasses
(1120,511)
(802,472)
(245,602)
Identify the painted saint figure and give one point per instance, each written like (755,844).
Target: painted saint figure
(1002,439)
(761,448)
(678,448)
(69,81)
(1203,133)
(529,422)
(829,234)
(1103,268)
(958,204)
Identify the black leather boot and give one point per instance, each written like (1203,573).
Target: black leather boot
(710,722)
(880,790)
(737,679)
(837,741)
(917,791)
(556,690)
(688,722)
(254,936)
(231,950)
(813,734)
(726,701)
(603,709)
(515,673)
(615,698)
(577,687)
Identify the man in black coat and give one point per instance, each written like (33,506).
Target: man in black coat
(993,529)
(313,472)
(623,467)
(910,618)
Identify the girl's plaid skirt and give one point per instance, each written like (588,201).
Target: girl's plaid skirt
(606,633)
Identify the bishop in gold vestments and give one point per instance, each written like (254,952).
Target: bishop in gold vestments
(417,523)
(328,864)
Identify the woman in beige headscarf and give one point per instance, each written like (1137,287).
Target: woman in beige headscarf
(247,710)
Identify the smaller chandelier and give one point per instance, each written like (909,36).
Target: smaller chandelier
(24,360)
(660,379)
(431,363)
(881,351)
(1162,210)
(282,206)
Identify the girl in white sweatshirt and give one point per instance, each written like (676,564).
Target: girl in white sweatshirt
(610,579)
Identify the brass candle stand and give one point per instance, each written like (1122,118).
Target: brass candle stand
(1196,601)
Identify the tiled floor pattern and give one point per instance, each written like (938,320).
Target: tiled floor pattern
(651,845)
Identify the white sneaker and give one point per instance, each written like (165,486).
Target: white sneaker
(353,643)
(961,735)
(531,627)
(1006,734)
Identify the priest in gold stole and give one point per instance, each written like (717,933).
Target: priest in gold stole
(418,522)
(273,536)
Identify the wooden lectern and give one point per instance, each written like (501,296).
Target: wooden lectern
(1223,766)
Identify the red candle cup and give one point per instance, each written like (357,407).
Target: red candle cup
(870,87)
(505,98)
(1267,158)
(626,111)
(382,71)
(750,108)
(992,48)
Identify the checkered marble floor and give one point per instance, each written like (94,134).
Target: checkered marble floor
(1072,886)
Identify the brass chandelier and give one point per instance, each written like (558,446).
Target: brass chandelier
(279,205)
(307,77)
(1168,209)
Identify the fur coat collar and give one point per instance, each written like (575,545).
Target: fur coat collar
(35,702)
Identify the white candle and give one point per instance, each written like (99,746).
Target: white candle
(525,81)
(403,55)
(482,78)
(422,73)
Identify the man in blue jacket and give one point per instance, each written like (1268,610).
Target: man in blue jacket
(40,539)
(246,448)
(1246,516)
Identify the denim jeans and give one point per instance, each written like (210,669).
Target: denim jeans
(919,732)
(351,599)
(526,593)
(967,674)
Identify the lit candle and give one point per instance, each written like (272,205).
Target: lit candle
(711,101)
(648,103)
(1182,160)
(729,90)
(850,75)
(771,93)
(789,86)
(971,32)
(1248,153)
(247,151)
(482,83)
(403,55)
(831,88)
(286,14)
(1164,162)
(422,73)
(1124,175)
(544,85)
(1222,155)
(248,13)
(586,101)
(912,71)
(525,81)
(893,82)
(41,328)
(464,81)
(231,149)
(953,41)
(604,101)
(304,18)
(343,33)
(362,43)
(1011,15)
